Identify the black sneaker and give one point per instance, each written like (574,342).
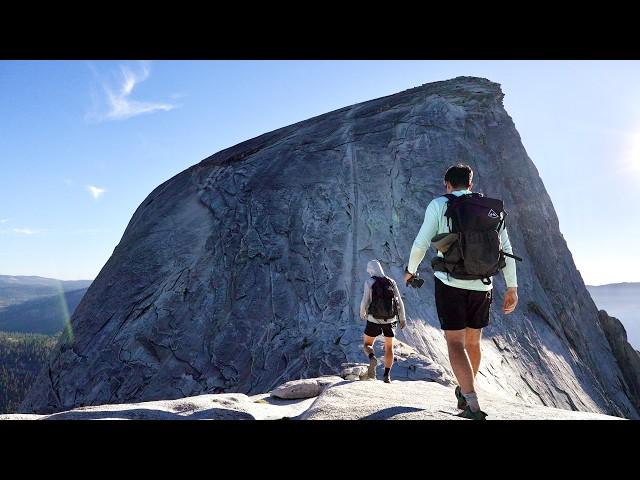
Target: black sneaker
(387,378)
(373,363)
(462,402)
(467,413)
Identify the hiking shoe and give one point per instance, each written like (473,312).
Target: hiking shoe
(387,378)
(462,402)
(467,413)
(373,363)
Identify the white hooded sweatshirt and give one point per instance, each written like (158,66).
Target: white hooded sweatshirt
(375,270)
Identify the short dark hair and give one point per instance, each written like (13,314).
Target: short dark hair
(459,175)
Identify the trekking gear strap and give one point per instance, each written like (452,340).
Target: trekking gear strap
(515,257)
(450,197)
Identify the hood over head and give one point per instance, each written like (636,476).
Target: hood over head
(375,269)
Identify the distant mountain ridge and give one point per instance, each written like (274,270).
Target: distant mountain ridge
(47,315)
(616,285)
(32,304)
(15,289)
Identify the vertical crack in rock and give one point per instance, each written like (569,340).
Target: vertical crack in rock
(352,272)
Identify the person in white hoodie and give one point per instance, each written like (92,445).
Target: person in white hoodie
(382,308)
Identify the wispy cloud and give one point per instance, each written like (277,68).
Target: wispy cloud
(67,181)
(96,192)
(120,104)
(4,220)
(24,231)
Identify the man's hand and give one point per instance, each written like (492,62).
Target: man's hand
(407,277)
(402,325)
(363,315)
(510,300)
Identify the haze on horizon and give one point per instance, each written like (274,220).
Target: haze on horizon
(82,143)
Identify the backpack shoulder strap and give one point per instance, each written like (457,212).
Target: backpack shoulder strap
(450,198)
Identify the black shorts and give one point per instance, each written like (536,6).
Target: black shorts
(460,308)
(375,329)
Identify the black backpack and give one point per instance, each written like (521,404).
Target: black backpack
(383,302)
(477,252)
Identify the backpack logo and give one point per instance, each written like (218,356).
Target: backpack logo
(492,214)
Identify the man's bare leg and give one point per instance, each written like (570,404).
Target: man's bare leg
(461,366)
(460,363)
(472,346)
(388,352)
(368,344)
(368,350)
(388,358)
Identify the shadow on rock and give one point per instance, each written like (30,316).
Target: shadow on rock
(134,414)
(220,414)
(152,414)
(388,413)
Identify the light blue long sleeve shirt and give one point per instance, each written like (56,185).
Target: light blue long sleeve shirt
(434,223)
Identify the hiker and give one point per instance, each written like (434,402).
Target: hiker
(381,307)
(478,249)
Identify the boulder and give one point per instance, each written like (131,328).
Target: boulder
(304,388)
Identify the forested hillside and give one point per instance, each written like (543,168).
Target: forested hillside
(21,358)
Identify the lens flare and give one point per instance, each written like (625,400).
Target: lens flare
(67,333)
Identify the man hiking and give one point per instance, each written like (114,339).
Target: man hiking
(478,248)
(381,307)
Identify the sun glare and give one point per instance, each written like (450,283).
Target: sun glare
(634,156)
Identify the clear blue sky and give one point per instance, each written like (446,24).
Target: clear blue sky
(82,143)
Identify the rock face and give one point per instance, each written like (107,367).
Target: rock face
(622,301)
(377,400)
(224,406)
(342,400)
(246,270)
(408,365)
(627,357)
(354,371)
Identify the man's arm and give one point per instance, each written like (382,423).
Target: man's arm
(401,313)
(366,300)
(422,241)
(509,272)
